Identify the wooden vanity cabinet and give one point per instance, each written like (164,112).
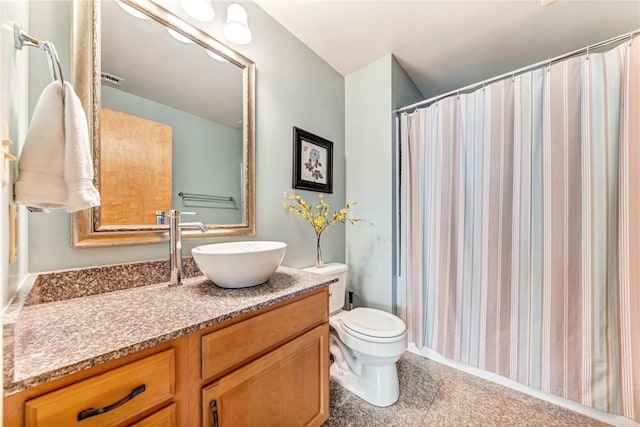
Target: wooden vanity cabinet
(268,367)
(286,387)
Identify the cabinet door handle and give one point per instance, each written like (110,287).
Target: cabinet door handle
(91,412)
(213,407)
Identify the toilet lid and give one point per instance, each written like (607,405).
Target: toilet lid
(374,323)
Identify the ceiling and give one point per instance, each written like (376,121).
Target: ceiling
(442,45)
(445,45)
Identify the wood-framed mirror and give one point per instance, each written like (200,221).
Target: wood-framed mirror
(153,148)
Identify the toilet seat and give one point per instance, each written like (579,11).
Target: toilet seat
(373,325)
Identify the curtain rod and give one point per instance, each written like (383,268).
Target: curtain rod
(628,36)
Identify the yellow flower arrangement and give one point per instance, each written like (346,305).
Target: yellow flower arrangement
(320,220)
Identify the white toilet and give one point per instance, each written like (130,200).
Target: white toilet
(365,344)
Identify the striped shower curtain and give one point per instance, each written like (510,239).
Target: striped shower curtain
(520,228)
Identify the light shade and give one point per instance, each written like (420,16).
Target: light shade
(237,29)
(216,56)
(176,35)
(202,10)
(131,11)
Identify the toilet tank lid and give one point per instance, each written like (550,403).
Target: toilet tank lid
(328,269)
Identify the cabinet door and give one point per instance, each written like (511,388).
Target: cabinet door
(287,387)
(163,418)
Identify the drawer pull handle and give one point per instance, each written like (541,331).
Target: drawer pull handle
(213,406)
(91,412)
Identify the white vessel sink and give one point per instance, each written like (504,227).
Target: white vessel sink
(239,264)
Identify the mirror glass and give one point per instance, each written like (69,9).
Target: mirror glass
(172,124)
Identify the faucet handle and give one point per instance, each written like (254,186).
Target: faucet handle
(161,217)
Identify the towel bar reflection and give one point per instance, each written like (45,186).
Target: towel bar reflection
(197,197)
(23,39)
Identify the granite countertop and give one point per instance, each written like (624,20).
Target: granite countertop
(45,340)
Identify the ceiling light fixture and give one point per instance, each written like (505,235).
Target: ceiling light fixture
(132,11)
(216,56)
(176,35)
(202,10)
(237,29)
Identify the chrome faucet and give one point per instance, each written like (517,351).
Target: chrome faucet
(175,239)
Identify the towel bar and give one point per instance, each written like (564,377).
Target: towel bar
(23,39)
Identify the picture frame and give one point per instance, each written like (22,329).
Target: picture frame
(312,162)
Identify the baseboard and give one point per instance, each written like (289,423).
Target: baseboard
(605,417)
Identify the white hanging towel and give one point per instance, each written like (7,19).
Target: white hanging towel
(56,168)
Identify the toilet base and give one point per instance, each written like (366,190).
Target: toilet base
(377,385)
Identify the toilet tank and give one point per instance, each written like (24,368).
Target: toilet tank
(338,289)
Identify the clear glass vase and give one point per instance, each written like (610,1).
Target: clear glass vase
(319,260)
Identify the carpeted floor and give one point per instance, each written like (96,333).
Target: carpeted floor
(432,394)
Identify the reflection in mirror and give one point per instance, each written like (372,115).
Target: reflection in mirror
(172,124)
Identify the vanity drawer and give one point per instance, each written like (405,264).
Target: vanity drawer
(231,346)
(129,390)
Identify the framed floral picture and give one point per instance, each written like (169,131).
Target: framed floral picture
(312,162)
